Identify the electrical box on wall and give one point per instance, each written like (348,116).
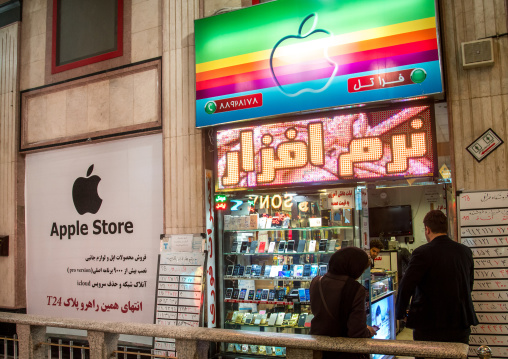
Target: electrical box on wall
(4,246)
(477,53)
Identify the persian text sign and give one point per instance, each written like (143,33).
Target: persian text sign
(358,146)
(94,214)
(289,56)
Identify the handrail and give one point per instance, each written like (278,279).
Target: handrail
(290,341)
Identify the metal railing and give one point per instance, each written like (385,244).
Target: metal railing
(193,343)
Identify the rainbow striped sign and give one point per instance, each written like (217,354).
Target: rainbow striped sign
(290,56)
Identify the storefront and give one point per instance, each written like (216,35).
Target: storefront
(343,120)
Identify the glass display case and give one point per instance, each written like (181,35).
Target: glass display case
(382,286)
(272,246)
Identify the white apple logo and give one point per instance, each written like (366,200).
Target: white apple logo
(301,36)
(84,193)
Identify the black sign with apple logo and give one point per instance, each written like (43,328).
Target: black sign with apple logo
(84,193)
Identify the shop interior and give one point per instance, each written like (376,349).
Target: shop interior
(274,241)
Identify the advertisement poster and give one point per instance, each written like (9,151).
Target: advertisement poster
(288,56)
(94,214)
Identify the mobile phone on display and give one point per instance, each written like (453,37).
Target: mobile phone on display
(244,246)
(301,246)
(322,245)
(301,320)
(236,292)
(241,270)
(229,270)
(282,247)
(291,246)
(236,269)
(271,295)
(229,293)
(243,292)
(248,270)
(306,270)
(307,294)
(281,295)
(280,318)
(298,270)
(234,246)
(301,295)
(272,319)
(323,269)
(314,270)
(312,246)
(262,270)
(253,246)
(331,245)
(268,269)
(258,294)
(258,270)
(251,294)
(254,270)
(264,294)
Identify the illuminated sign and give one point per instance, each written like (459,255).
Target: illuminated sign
(342,148)
(236,205)
(289,56)
(220,198)
(275,201)
(221,206)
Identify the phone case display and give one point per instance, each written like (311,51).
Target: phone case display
(271,255)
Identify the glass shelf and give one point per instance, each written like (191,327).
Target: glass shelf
(289,229)
(246,355)
(381,296)
(275,253)
(266,326)
(265,302)
(300,279)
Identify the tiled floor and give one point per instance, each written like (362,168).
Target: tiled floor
(405,334)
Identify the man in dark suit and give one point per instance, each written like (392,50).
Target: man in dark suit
(439,279)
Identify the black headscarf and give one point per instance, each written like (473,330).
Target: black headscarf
(350,261)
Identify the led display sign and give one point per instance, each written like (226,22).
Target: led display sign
(341,148)
(289,56)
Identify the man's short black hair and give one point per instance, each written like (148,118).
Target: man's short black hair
(376,243)
(436,221)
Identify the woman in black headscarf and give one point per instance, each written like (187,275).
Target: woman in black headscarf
(338,301)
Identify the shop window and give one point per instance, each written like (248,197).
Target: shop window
(86,32)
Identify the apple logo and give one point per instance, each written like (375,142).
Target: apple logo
(304,52)
(84,193)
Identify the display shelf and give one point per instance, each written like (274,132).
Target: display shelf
(288,229)
(381,296)
(246,355)
(300,279)
(275,253)
(266,326)
(265,302)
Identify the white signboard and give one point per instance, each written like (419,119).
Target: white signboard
(93,218)
(483,227)
(341,198)
(178,295)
